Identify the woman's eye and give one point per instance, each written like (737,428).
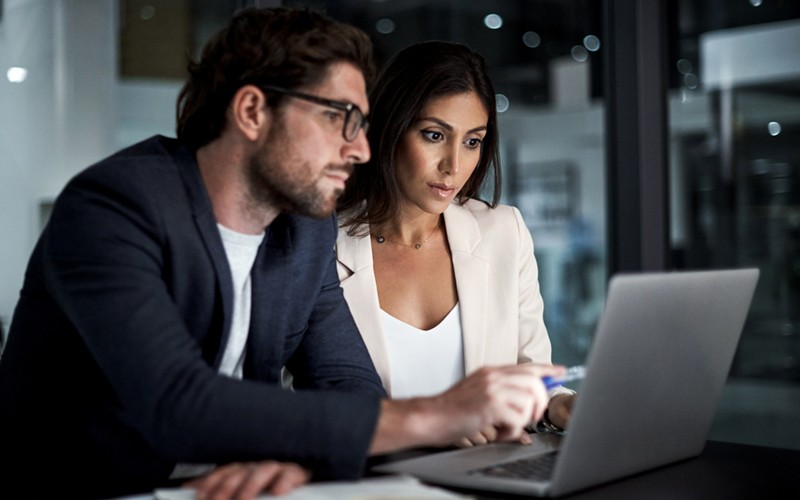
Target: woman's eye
(473,143)
(432,135)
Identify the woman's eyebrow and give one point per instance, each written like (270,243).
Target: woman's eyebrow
(437,121)
(449,127)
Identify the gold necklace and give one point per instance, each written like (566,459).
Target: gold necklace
(380,239)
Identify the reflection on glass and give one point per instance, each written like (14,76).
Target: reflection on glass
(735,131)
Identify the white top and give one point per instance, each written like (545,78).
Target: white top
(496,275)
(424,362)
(241,250)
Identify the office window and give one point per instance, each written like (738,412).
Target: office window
(735,147)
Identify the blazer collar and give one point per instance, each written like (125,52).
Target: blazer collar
(354,253)
(472,278)
(196,191)
(206,224)
(463,232)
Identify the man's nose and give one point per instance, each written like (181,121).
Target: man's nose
(358,150)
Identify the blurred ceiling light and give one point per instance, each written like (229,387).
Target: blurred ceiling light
(755,3)
(16,74)
(385,26)
(501,103)
(531,39)
(579,53)
(774,128)
(684,66)
(592,43)
(493,21)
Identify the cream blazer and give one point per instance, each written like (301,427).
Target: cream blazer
(497,282)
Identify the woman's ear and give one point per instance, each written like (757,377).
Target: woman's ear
(250,112)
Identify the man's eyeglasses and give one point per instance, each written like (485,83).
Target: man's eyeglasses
(354,119)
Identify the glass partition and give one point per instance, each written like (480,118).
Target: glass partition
(735,134)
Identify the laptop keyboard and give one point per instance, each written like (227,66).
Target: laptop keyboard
(538,468)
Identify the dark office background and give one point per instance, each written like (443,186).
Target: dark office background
(619,154)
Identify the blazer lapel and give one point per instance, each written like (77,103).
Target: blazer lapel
(472,276)
(270,305)
(361,292)
(206,224)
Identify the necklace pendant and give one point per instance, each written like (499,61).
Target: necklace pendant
(380,239)
(418,245)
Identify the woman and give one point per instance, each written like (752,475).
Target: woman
(439,282)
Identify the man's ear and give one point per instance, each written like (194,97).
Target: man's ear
(250,112)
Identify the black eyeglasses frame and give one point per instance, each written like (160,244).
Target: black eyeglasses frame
(349,108)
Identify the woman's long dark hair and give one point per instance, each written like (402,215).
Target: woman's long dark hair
(410,79)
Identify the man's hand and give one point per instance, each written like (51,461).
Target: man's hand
(244,481)
(504,398)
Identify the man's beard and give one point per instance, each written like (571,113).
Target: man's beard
(287,189)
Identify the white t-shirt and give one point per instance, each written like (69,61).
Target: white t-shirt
(241,250)
(424,362)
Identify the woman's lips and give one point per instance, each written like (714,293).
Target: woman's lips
(442,190)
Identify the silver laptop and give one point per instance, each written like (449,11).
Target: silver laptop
(654,375)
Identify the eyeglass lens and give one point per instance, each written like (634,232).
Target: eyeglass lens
(354,122)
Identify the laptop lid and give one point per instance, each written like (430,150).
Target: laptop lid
(654,375)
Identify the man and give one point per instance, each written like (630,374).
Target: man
(177,278)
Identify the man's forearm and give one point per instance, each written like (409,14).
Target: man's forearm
(407,423)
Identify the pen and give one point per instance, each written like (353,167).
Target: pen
(573,373)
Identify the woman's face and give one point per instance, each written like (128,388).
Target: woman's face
(439,152)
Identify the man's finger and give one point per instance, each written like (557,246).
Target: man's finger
(290,477)
(257,479)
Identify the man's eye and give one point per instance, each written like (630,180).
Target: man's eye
(334,116)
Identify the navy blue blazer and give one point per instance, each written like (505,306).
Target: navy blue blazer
(109,375)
